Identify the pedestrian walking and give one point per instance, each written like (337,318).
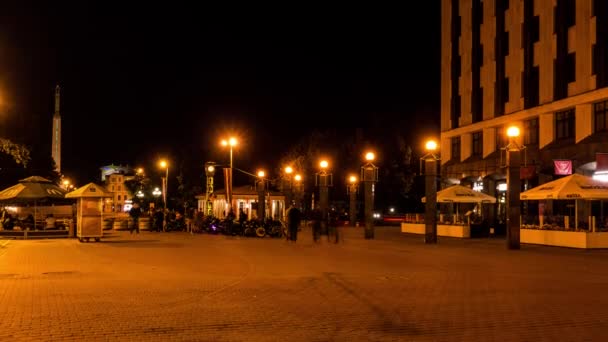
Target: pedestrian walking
(294,216)
(315,218)
(135,212)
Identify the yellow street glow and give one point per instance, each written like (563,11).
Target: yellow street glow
(324,164)
(163,164)
(297,178)
(370,156)
(211,168)
(232,141)
(261,174)
(288,170)
(353,179)
(513,131)
(431,145)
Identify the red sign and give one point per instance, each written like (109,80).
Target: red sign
(563,167)
(601,161)
(527,172)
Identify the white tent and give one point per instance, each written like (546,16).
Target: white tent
(462,194)
(568,188)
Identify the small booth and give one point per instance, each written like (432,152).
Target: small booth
(449,225)
(565,213)
(89,214)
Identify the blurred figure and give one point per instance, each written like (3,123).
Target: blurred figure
(316,217)
(294,216)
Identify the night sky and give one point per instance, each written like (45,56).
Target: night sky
(141,82)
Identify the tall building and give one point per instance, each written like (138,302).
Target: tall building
(56,143)
(538,64)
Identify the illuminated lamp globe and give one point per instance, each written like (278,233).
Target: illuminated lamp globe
(431,145)
(297,178)
(513,131)
(353,179)
(232,141)
(261,174)
(370,156)
(163,164)
(210,168)
(324,164)
(288,170)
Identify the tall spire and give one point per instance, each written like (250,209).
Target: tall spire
(56,136)
(57,95)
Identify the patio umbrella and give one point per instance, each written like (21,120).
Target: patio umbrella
(33,189)
(462,194)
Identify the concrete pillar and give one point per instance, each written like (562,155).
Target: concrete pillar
(430,218)
(513,202)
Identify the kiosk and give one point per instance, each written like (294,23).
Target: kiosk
(89,215)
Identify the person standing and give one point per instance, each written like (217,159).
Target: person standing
(294,216)
(135,212)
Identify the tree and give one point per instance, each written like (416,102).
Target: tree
(19,153)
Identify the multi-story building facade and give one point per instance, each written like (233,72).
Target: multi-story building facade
(114,178)
(538,64)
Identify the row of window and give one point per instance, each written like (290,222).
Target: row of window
(564,129)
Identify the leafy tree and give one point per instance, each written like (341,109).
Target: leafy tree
(19,153)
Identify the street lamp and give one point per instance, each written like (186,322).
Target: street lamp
(324,180)
(352,189)
(209,172)
(139,194)
(261,188)
(231,142)
(369,176)
(430,170)
(165,180)
(66,184)
(513,187)
(288,188)
(298,187)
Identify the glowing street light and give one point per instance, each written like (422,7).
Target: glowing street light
(165,180)
(352,189)
(430,170)
(431,146)
(369,176)
(513,187)
(324,164)
(297,178)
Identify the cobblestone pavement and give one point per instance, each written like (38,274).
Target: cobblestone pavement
(177,286)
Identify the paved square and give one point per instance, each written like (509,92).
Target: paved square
(175,286)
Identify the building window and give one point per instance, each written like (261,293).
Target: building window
(119,188)
(570,67)
(564,124)
(531,132)
(501,138)
(112,187)
(456,148)
(600,122)
(119,197)
(477,144)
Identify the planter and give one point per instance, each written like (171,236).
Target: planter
(442,230)
(564,238)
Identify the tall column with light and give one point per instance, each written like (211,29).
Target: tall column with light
(352,189)
(369,177)
(209,172)
(430,170)
(513,188)
(165,181)
(324,180)
(288,185)
(298,188)
(231,142)
(261,189)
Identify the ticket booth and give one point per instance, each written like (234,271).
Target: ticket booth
(89,213)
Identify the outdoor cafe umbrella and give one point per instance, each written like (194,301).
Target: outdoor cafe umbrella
(33,189)
(461,194)
(573,187)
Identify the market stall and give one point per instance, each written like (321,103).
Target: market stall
(89,213)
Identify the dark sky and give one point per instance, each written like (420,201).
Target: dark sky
(142,81)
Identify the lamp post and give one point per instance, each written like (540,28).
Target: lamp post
(369,176)
(513,188)
(430,170)
(288,188)
(324,180)
(298,188)
(66,184)
(261,188)
(231,142)
(165,180)
(353,187)
(209,172)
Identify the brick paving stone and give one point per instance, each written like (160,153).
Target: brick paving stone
(182,287)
